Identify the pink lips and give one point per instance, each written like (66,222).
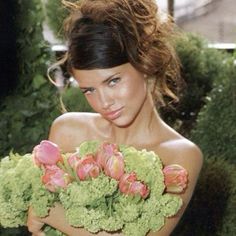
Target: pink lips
(113,114)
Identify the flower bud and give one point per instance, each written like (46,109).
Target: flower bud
(125,182)
(175,178)
(139,188)
(46,153)
(131,186)
(87,167)
(114,167)
(54,177)
(73,160)
(105,151)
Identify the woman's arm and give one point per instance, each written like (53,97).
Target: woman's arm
(34,223)
(57,220)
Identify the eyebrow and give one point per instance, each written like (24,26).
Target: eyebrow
(104,81)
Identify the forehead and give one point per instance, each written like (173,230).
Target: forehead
(99,75)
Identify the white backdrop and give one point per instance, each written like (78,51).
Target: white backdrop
(184,7)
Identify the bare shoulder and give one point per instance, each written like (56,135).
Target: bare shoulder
(70,129)
(73,118)
(181,150)
(187,154)
(174,148)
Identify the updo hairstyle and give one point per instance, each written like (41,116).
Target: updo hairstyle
(106,33)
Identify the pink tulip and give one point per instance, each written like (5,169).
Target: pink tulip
(87,167)
(73,160)
(105,151)
(139,188)
(114,167)
(125,182)
(175,178)
(46,153)
(54,178)
(129,185)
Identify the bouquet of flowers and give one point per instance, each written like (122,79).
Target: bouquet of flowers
(102,186)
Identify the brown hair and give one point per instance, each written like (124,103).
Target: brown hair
(106,33)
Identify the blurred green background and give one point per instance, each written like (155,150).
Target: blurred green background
(206,113)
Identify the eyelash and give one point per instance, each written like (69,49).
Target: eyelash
(114,80)
(110,84)
(88,91)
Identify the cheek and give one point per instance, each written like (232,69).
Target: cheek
(125,92)
(92,102)
(133,91)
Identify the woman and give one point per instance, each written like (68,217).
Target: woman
(120,53)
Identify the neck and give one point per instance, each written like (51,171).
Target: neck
(142,129)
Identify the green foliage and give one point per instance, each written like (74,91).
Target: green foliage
(21,231)
(20,188)
(27,113)
(26,118)
(95,204)
(200,67)
(56,13)
(101,206)
(33,51)
(215,131)
(74,100)
(212,208)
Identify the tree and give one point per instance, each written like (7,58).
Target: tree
(171,4)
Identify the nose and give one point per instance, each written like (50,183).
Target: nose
(106,100)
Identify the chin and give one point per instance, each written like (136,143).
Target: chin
(122,123)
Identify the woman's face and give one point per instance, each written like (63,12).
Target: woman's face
(116,93)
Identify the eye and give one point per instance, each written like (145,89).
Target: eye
(113,81)
(88,91)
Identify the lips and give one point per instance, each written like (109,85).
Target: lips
(113,114)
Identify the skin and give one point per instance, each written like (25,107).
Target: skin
(125,115)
